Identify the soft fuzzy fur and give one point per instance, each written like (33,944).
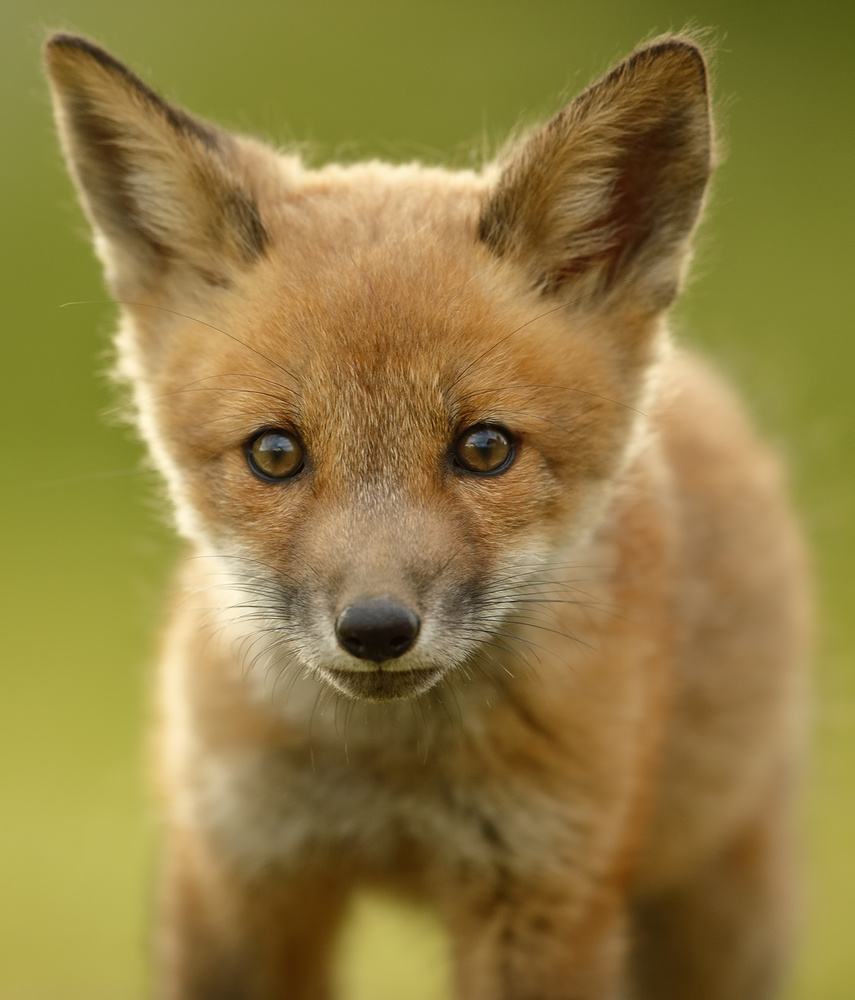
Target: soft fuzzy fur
(585,761)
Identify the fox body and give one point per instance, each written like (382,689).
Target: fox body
(492,596)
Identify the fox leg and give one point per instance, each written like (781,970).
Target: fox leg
(536,947)
(222,937)
(727,933)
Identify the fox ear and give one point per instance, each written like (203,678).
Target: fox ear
(158,186)
(602,200)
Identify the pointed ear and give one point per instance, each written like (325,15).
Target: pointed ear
(158,186)
(601,201)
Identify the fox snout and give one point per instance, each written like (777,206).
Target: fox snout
(377,629)
(377,604)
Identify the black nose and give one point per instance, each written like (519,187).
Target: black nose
(378,629)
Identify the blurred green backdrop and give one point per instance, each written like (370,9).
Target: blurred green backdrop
(86,550)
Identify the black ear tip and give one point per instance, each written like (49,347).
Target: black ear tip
(679,53)
(64,43)
(59,46)
(677,44)
(60,38)
(62,47)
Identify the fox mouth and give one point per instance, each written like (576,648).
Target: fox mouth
(383,685)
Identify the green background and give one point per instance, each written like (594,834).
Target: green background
(86,546)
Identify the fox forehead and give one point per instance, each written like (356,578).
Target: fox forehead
(343,207)
(382,270)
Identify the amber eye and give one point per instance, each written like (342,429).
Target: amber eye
(274,454)
(485,449)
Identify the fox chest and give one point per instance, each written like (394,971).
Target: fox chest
(272,810)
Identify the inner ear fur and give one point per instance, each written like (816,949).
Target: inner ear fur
(602,200)
(156,182)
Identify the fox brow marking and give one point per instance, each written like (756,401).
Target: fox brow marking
(501,341)
(193,387)
(192,319)
(544,385)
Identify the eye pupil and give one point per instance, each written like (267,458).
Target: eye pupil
(274,454)
(485,449)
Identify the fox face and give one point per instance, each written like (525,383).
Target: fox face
(388,400)
(384,475)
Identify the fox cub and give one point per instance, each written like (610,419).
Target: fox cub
(492,598)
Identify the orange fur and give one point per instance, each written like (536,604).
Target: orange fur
(583,755)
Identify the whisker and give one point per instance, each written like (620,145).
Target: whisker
(543,385)
(501,340)
(192,319)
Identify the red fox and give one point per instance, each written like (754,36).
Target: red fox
(492,597)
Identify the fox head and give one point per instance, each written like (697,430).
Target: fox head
(384,398)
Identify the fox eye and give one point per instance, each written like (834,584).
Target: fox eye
(274,454)
(485,449)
